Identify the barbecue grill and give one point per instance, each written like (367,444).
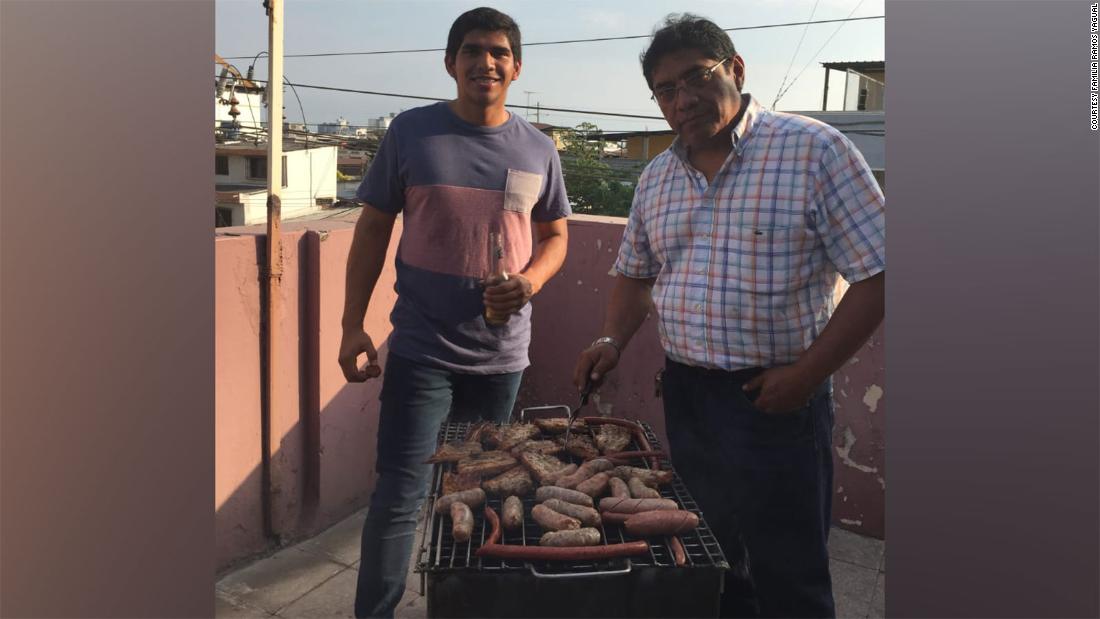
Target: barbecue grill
(457,583)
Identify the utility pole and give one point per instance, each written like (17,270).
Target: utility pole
(527,112)
(273,269)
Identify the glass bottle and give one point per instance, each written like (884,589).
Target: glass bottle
(496,276)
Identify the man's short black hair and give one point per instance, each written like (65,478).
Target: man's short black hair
(685,31)
(483,18)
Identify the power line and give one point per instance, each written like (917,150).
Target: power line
(795,54)
(423,98)
(814,57)
(562,42)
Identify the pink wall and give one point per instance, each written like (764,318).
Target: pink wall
(325,429)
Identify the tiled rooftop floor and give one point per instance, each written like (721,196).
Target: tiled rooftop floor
(316,578)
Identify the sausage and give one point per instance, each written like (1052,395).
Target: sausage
(618,488)
(553,521)
(649,477)
(587,536)
(588,516)
(584,471)
(614,517)
(564,553)
(661,523)
(638,490)
(462,521)
(633,506)
(471,498)
(594,486)
(623,457)
(492,548)
(565,494)
(512,513)
(678,553)
(569,469)
(639,434)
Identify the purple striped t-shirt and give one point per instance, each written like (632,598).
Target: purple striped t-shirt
(455,183)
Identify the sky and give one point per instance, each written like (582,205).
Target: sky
(601,76)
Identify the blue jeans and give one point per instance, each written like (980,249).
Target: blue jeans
(416,399)
(764,483)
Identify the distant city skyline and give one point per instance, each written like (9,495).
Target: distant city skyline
(598,76)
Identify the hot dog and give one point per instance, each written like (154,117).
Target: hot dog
(614,517)
(661,523)
(678,553)
(551,520)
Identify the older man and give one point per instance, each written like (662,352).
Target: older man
(737,235)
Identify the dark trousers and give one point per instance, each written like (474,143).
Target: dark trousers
(764,483)
(416,399)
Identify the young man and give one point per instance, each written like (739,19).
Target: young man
(737,233)
(458,171)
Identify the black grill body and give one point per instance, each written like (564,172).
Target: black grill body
(459,584)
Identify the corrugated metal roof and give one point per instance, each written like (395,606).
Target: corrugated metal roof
(858,65)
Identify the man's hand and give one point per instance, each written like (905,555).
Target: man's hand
(352,344)
(508,296)
(593,365)
(782,389)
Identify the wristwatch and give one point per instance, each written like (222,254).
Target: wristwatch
(608,340)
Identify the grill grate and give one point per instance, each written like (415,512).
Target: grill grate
(440,553)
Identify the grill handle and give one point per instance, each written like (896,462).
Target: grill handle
(538,574)
(524,412)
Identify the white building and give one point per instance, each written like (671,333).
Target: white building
(240,179)
(340,127)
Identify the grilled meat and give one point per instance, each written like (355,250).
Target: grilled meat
(582,447)
(516,481)
(556,425)
(455,482)
(486,464)
(453,452)
(542,446)
(514,434)
(543,467)
(486,432)
(611,438)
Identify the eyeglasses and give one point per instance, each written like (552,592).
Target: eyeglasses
(694,81)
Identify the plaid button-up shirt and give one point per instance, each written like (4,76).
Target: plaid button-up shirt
(746,265)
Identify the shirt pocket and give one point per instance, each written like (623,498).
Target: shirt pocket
(769,261)
(521,191)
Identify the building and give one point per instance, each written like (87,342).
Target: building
(240,182)
(340,127)
(864,85)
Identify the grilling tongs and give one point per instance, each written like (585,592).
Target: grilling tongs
(587,391)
